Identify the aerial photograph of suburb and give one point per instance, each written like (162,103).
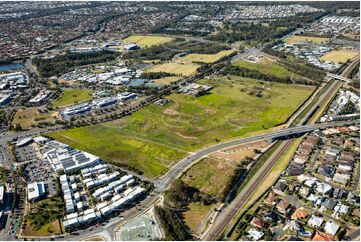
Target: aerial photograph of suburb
(179,120)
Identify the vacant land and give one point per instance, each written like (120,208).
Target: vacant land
(267,66)
(298,38)
(205,58)
(72,96)
(166,80)
(115,144)
(175,68)
(339,56)
(196,215)
(31,117)
(43,218)
(45,230)
(210,175)
(147,41)
(152,139)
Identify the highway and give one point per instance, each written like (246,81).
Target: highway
(177,169)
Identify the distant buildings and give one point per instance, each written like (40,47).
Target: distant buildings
(131,47)
(100,103)
(195,89)
(13,80)
(85,50)
(41,96)
(4,99)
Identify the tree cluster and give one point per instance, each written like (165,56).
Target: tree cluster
(65,63)
(155,75)
(244,72)
(167,51)
(181,195)
(173,227)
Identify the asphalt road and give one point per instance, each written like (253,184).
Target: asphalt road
(176,170)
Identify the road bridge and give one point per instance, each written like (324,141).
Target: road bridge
(181,166)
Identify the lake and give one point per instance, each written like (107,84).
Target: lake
(12,66)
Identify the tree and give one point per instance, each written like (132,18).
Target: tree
(18,127)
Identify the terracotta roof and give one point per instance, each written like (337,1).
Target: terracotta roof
(319,237)
(258,222)
(300,213)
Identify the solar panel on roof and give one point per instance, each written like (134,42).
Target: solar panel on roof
(68,164)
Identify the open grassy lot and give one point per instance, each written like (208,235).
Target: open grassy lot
(155,137)
(174,68)
(196,215)
(166,80)
(146,41)
(115,144)
(210,175)
(43,219)
(205,58)
(339,56)
(299,38)
(72,96)
(268,66)
(45,230)
(30,117)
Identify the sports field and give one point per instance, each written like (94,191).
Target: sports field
(146,41)
(268,66)
(339,56)
(186,69)
(72,96)
(205,58)
(298,38)
(154,138)
(31,117)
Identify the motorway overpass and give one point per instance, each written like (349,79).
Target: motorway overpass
(176,170)
(339,77)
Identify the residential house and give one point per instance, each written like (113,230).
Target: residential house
(280,188)
(258,223)
(271,199)
(300,213)
(331,228)
(320,237)
(329,204)
(283,206)
(254,234)
(304,191)
(315,221)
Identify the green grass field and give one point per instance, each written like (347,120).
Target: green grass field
(147,41)
(155,137)
(72,96)
(205,58)
(186,69)
(267,66)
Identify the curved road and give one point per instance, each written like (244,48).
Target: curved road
(177,169)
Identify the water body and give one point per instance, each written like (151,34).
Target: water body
(12,66)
